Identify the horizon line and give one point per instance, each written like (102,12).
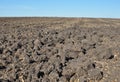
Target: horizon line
(56,17)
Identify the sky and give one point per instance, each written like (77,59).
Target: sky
(60,8)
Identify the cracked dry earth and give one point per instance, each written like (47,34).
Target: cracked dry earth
(37,53)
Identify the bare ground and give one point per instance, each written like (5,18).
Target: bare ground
(59,50)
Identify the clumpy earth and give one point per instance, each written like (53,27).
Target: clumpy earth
(59,50)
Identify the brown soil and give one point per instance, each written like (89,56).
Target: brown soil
(59,50)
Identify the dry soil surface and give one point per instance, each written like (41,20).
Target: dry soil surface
(59,50)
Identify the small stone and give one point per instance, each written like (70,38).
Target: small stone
(91,66)
(95,74)
(36,42)
(107,54)
(81,72)
(68,73)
